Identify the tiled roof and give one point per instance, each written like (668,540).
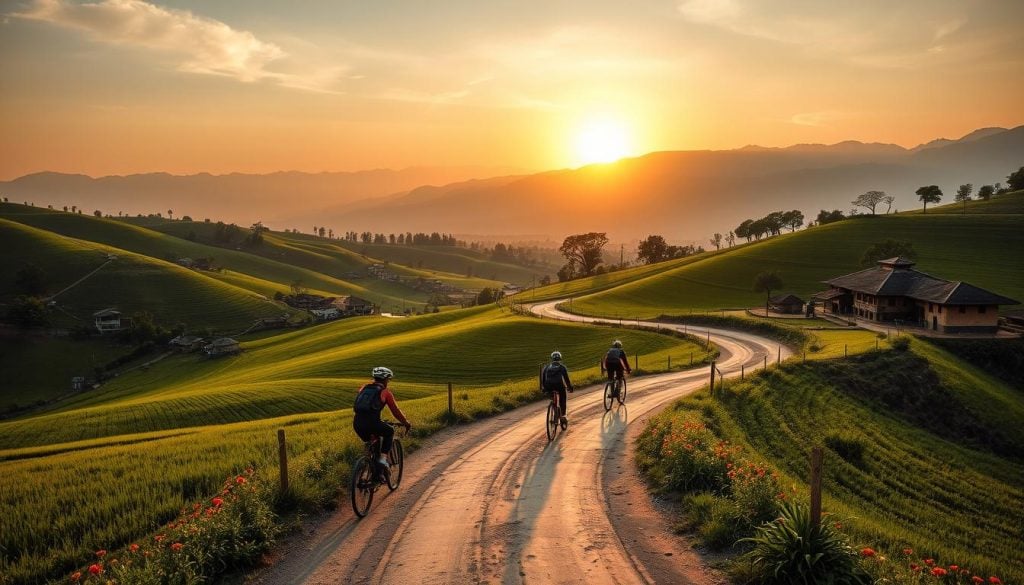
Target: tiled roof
(908,282)
(786,299)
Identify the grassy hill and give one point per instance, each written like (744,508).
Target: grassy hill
(923,450)
(1007,203)
(197,421)
(984,250)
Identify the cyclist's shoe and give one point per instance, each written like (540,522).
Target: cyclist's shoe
(383,465)
(565,423)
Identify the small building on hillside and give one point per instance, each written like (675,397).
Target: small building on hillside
(893,291)
(352,306)
(328,314)
(222,346)
(109,320)
(187,343)
(78,383)
(789,304)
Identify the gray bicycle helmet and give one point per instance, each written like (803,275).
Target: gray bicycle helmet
(556,356)
(617,343)
(382,373)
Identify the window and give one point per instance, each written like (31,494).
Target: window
(981,309)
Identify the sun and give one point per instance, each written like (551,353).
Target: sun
(602,141)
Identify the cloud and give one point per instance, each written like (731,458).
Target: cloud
(209,46)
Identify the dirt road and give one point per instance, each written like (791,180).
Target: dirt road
(495,502)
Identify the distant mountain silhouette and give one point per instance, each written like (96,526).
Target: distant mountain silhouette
(683,195)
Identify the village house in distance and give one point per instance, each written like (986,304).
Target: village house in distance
(894,292)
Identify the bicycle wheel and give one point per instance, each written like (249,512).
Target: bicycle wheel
(608,396)
(396,458)
(552,420)
(362,487)
(622,391)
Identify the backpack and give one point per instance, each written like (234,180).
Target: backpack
(553,375)
(614,358)
(368,401)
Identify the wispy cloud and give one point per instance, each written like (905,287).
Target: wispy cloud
(208,46)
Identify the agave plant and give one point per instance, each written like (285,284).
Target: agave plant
(792,549)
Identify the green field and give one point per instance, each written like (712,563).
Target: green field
(943,450)
(984,250)
(1007,203)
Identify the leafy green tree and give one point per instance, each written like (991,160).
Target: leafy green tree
(743,230)
(485,297)
(963,194)
(97,213)
(890,248)
(869,200)
(583,251)
(985,192)
(26,312)
(929,194)
(1015,180)
(766,282)
(651,250)
(793,219)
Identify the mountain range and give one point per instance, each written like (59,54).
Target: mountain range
(683,195)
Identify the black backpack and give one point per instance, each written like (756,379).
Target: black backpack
(553,376)
(368,401)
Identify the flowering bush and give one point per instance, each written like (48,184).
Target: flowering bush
(908,569)
(228,531)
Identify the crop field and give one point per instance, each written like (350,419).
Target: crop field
(978,249)
(939,456)
(132,282)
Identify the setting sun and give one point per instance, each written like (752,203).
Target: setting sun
(602,141)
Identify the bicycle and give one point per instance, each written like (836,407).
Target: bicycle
(368,477)
(609,392)
(553,419)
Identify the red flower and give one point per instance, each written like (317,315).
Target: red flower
(176,546)
(914,567)
(839,526)
(867,552)
(158,537)
(217,501)
(239,480)
(908,551)
(939,572)
(977,579)
(929,562)
(101,553)
(134,548)
(78,575)
(994,580)
(954,568)
(95,569)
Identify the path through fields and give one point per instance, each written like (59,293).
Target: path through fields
(495,502)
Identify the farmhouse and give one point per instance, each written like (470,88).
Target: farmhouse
(789,304)
(109,320)
(222,346)
(350,305)
(894,292)
(186,343)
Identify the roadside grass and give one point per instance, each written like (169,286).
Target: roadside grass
(922,451)
(131,283)
(980,249)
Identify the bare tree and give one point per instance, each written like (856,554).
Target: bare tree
(888,200)
(716,241)
(730,238)
(869,200)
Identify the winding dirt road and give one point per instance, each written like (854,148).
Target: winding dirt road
(495,502)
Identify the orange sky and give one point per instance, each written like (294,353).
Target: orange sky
(123,86)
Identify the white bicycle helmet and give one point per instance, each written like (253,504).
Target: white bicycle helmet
(382,373)
(556,356)
(617,343)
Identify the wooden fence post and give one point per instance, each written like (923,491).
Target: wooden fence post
(708,344)
(451,410)
(282,454)
(778,360)
(816,456)
(712,378)
(805,357)
(636,361)
(766,362)
(670,363)
(846,350)
(742,371)
(691,358)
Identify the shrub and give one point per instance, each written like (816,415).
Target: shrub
(792,549)
(901,343)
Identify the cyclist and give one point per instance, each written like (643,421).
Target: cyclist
(369,403)
(554,377)
(615,363)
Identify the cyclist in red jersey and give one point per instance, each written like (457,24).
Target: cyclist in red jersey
(369,403)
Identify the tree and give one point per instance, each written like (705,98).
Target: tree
(1015,180)
(929,194)
(170,214)
(26,312)
(183,218)
(652,250)
(825,217)
(321,231)
(716,241)
(730,238)
(298,287)
(743,230)
(985,192)
(583,251)
(30,280)
(963,194)
(870,200)
(97,213)
(890,248)
(766,282)
(485,297)
(793,219)
(888,200)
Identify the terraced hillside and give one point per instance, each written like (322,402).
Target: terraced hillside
(181,409)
